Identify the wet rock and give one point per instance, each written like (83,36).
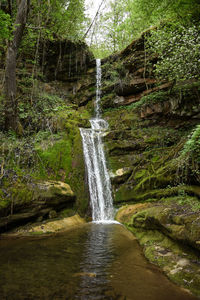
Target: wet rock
(159,108)
(84,274)
(134,86)
(175,221)
(125,213)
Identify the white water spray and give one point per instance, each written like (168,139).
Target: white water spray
(98,177)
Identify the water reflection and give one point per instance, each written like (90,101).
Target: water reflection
(94,262)
(98,256)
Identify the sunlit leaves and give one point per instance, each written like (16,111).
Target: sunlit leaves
(124,21)
(178,49)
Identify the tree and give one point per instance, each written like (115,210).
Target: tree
(11,105)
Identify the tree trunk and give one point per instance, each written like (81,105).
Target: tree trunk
(11,103)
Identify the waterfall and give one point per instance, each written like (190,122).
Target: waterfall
(98,177)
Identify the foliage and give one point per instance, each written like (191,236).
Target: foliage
(38,113)
(153,98)
(178,49)
(189,160)
(192,146)
(144,13)
(5,25)
(123,21)
(110,31)
(58,18)
(48,20)
(5,31)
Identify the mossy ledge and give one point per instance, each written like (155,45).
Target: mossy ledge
(168,231)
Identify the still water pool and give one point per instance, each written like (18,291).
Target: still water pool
(91,262)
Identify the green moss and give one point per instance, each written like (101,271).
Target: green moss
(155,158)
(36,233)
(127,119)
(125,194)
(21,193)
(107,100)
(68,212)
(55,159)
(153,98)
(140,173)
(77,176)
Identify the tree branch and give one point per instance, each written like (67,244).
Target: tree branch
(93,19)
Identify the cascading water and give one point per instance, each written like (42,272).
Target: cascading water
(98,177)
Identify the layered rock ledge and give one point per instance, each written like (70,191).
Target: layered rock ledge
(169,234)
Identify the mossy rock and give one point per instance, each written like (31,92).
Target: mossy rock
(50,226)
(53,189)
(178,222)
(35,200)
(146,221)
(121,175)
(125,213)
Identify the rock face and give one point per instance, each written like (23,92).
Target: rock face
(65,60)
(175,221)
(165,230)
(43,198)
(53,192)
(149,124)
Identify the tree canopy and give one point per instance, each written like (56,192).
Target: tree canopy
(123,21)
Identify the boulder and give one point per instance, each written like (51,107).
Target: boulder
(46,196)
(52,193)
(175,221)
(52,226)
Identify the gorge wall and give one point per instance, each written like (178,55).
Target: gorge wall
(152,149)
(149,124)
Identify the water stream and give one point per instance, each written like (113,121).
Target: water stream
(98,177)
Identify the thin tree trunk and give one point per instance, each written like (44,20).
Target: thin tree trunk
(11,103)
(93,19)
